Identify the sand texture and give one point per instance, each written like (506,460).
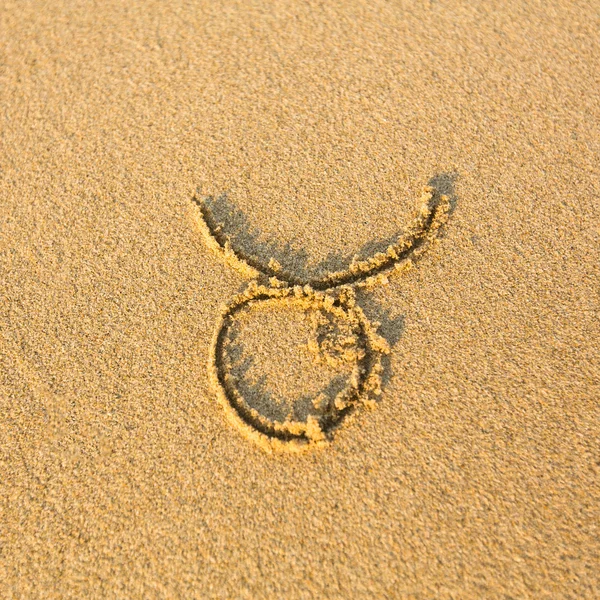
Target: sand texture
(215,247)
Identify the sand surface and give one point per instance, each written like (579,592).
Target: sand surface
(313,126)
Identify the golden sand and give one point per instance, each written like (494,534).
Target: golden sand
(309,129)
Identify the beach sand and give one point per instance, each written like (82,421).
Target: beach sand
(311,128)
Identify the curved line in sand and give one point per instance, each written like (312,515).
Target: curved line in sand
(295,436)
(365,381)
(431,214)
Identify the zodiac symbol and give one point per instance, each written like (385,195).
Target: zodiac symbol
(342,334)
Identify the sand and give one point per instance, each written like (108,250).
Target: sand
(310,128)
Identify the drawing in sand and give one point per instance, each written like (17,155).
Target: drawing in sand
(342,334)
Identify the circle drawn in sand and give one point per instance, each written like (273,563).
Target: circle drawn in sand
(342,334)
(360,346)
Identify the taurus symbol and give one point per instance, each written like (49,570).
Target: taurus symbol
(342,334)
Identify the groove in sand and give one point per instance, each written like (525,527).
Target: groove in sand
(332,297)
